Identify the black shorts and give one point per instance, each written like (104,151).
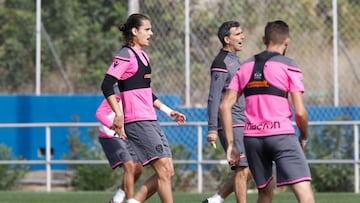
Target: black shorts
(117,151)
(148,141)
(283,150)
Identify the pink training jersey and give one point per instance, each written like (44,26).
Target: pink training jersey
(269,114)
(105,115)
(137,103)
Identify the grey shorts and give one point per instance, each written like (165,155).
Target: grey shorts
(117,151)
(148,141)
(239,142)
(283,150)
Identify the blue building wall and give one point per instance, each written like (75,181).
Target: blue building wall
(26,142)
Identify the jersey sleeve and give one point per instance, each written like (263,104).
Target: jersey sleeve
(295,78)
(235,83)
(123,65)
(217,86)
(103,113)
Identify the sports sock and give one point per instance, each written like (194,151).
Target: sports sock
(132,200)
(216,197)
(119,196)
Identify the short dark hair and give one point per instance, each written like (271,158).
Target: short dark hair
(224,30)
(276,32)
(133,21)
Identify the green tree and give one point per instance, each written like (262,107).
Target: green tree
(83,33)
(332,142)
(10,174)
(90,177)
(17,42)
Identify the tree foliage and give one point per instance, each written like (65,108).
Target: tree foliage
(332,143)
(10,174)
(84,34)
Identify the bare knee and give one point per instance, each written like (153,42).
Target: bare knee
(267,192)
(130,167)
(243,173)
(303,192)
(166,172)
(138,169)
(164,168)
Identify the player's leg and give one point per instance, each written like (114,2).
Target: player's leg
(242,172)
(131,173)
(261,167)
(303,192)
(265,195)
(292,167)
(228,187)
(223,192)
(152,147)
(118,155)
(138,171)
(164,170)
(147,189)
(240,184)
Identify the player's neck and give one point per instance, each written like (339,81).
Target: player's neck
(228,49)
(279,49)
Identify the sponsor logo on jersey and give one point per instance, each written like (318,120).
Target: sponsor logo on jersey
(263,126)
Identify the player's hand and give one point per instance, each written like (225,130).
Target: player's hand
(211,138)
(303,143)
(118,127)
(178,117)
(122,135)
(233,156)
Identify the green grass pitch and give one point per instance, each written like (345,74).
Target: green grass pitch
(99,197)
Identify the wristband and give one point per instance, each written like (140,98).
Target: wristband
(166,110)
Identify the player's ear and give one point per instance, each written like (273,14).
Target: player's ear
(226,39)
(263,39)
(134,31)
(287,41)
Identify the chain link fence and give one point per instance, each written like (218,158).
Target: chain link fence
(311,24)
(178,68)
(324,43)
(330,77)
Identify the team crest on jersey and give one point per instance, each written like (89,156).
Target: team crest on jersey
(257,76)
(159,148)
(122,155)
(116,63)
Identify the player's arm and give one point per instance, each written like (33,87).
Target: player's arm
(109,93)
(227,103)
(301,116)
(217,83)
(102,114)
(107,88)
(230,98)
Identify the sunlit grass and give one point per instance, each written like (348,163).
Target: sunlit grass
(98,197)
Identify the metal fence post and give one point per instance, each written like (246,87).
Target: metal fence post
(48,158)
(200,159)
(356,158)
